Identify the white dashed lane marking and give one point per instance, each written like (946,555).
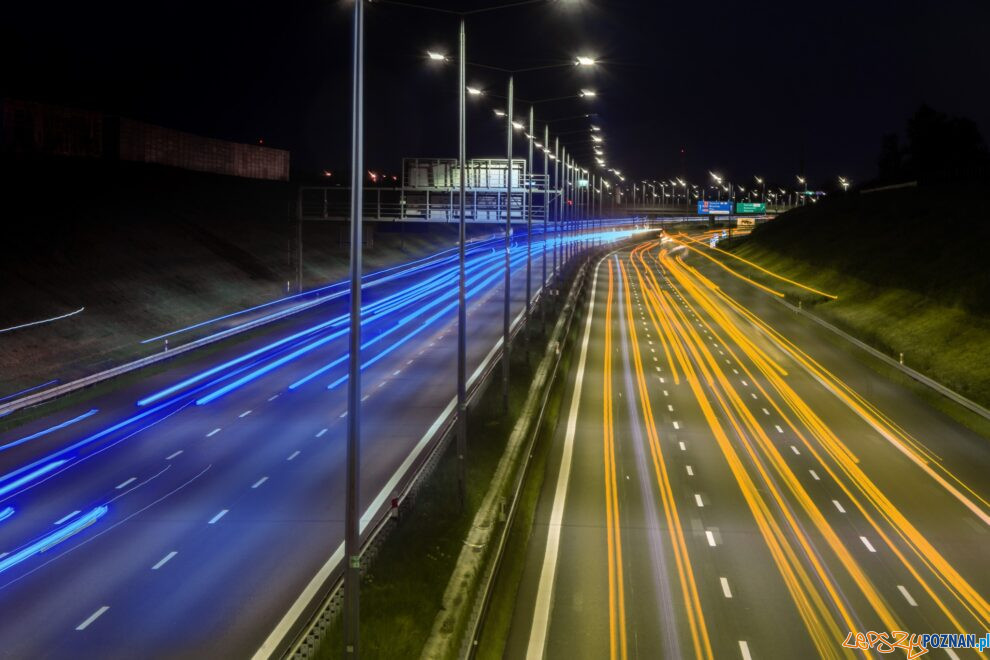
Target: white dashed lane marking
(92,617)
(164,560)
(216,518)
(725,587)
(907,596)
(213,432)
(259,482)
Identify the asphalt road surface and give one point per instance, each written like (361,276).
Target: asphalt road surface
(182,514)
(728,480)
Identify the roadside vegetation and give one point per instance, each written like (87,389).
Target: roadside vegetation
(147,250)
(908,267)
(402,590)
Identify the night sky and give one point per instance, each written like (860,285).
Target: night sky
(742,88)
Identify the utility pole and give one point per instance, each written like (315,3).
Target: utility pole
(461,282)
(506,347)
(352,515)
(528,190)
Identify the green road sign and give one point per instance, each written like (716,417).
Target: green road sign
(750,207)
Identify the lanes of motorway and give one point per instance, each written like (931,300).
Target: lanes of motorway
(182,515)
(719,489)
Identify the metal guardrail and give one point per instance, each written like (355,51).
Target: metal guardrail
(915,375)
(86,381)
(476,625)
(305,634)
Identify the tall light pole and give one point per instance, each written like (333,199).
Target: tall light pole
(506,345)
(528,191)
(352,516)
(461,276)
(546,210)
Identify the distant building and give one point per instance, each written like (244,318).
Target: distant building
(29,129)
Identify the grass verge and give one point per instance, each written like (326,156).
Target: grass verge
(402,590)
(495,631)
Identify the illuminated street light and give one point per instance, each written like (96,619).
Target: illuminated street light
(596,139)
(437,57)
(474,91)
(583,60)
(595,129)
(589,93)
(500,113)
(518,126)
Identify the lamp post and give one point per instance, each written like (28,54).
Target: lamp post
(352,516)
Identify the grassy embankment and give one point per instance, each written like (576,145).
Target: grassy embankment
(909,268)
(403,589)
(147,250)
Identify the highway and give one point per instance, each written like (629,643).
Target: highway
(727,480)
(183,513)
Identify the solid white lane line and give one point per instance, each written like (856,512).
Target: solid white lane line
(217,517)
(725,587)
(697,499)
(795,450)
(779,430)
(710,537)
(690,470)
(92,617)
(676,425)
(173,455)
(320,433)
(814,475)
(272,398)
(683,448)
(838,506)
(71,515)
(907,596)
(293,455)
(125,483)
(259,482)
(866,542)
(744,650)
(541,616)
(245,413)
(164,560)
(213,432)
